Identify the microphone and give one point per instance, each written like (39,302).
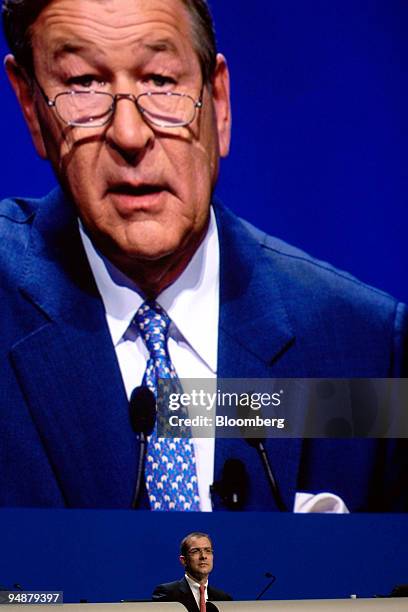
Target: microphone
(267,575)
(210,606)
(244,412)
(233,486)
(142,412)
(258,444)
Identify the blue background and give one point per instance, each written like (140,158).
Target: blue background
(319,158)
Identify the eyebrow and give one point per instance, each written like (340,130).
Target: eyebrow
(161,45)
(74,48)
(77,47)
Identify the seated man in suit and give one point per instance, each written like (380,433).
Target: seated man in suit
(131,270)
(197,556)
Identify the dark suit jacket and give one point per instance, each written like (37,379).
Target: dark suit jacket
(65,434)
(180,591)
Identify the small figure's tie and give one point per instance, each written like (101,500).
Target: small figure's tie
(203,606)
(170,470)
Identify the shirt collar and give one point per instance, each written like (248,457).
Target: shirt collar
(193,583)
(192,301)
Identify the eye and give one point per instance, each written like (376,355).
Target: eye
(159,80)
(85,81)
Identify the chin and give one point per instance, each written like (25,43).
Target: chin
(141,254)
(141,248)
(149,244)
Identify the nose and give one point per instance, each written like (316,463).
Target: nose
(127,132)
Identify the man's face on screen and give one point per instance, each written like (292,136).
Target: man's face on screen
(142,191)
(198,561)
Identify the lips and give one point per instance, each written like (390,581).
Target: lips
(132,197)
(136,190)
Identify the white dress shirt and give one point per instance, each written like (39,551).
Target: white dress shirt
(192,303)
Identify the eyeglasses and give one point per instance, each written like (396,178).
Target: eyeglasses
(198,551)
(90,108)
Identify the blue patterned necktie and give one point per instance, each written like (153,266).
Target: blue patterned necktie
(170,471)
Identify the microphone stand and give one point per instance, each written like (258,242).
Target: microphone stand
(259,445)
(274,485)
(267,575)
(140,469)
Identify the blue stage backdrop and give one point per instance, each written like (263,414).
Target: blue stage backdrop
(319,158)
(319,154)
(112,555)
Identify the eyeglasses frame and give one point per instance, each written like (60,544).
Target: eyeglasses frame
(51,103)
(198,551)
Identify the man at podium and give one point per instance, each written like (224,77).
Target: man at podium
(193,590)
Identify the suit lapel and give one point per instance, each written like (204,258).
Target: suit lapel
(67,367)
(187,596)
(253,316)
(254,334)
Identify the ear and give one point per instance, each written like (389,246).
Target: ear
(182,560)
(24,92)
(221,100)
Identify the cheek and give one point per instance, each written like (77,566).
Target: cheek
(209,143)
(79,166)
(198,170)
(70,152)
(198,157)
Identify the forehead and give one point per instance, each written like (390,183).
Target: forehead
(114,29)
(196,542)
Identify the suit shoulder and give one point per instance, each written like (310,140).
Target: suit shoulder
(327,310)
(168,586)
(17,211)
(16,216)
(165,590)
(317,277)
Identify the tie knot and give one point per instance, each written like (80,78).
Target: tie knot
(202,589)
(153,323)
